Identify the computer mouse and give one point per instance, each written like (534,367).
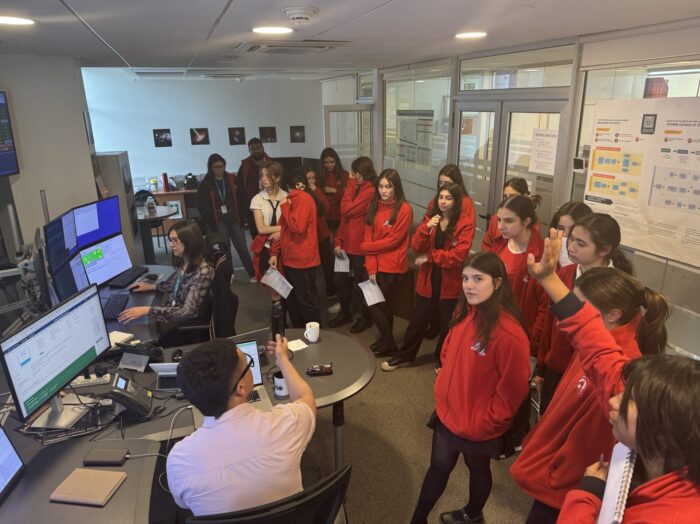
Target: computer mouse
(176,356)
(151,276)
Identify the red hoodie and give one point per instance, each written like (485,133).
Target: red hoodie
(449,258)
(353,209)
(298,244)
(478,390)
(339,182)
(671,499)
(516,265)
(386,245)
(322,230)
(572,433)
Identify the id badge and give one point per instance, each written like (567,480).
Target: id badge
(224,210)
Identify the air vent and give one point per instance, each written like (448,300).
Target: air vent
(159,74)
(306,47)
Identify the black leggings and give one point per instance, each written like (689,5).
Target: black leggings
(381,313)
(325,250)
(347,288)
(442,461)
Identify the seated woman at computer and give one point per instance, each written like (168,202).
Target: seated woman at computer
(188,286)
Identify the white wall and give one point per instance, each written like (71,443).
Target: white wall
(125,110)
(46,104)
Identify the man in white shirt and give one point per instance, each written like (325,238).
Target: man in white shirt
(241,457)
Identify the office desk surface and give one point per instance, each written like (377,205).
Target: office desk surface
(29,500)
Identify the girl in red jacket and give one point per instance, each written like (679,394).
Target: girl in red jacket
(513,187)
(483,380)
(351,233)
(385,247)
(593,242)
(656,415)
(575,429)
(297,253)
(333,180)
(442,241)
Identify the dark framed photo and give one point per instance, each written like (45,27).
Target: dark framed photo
(199,136)
(268,135)
(162,138)
(236,136)
(297,134)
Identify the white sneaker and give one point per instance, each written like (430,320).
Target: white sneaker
(334,309)
(253,280)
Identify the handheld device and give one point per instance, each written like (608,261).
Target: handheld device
(277,324)
(320,370)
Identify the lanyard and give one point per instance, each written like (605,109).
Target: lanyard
(176,287)
(221,190)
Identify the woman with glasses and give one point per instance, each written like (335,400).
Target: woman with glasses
(188,286)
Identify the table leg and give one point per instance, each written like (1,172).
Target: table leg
(338,422)
(149,254)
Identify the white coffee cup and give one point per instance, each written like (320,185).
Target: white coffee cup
(313,331)
(281,391)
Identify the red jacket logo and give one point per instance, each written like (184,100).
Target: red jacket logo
(581,386)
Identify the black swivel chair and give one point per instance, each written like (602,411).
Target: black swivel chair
(140,201)
(319,504)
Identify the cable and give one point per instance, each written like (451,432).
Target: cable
(172,425)
(160,483)
(145,455)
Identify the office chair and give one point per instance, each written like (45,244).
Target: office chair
(319,504)
(140,198)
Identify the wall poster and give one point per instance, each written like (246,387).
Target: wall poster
(644,170)
(415,147)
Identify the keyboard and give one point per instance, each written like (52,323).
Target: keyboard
(114,305)
(253,396)
(127,277)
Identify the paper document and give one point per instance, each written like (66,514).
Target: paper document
(276,281)
(296,345)
(372,292)
(342,263)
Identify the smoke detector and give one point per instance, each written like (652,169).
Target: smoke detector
(300,15)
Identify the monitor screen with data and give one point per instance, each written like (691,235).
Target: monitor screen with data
(250,348)
(43,357)
(11,465)
(105,260)
(70,278)
(97,221)
(61,241)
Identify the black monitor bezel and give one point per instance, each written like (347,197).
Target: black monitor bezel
(18,474)
(10,383)
(12,134)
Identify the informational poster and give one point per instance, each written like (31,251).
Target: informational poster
(415,148)
(543,154)
(644,171)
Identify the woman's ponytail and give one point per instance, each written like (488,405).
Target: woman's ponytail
(652,334)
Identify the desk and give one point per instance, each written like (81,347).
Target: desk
(146,222)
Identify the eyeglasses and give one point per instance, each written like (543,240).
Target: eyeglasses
(251,363)
(173,240)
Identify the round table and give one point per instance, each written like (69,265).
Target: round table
(146,223)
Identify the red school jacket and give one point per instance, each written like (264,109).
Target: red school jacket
(298,244)
(322,230)
(449,258)
(353,208)
(386,245)
(480,387)
(670,498)
(572,433)
(516,266)
(339,182)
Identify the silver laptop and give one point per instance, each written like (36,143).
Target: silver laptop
(258,397)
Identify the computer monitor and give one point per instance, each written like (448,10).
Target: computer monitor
(70,278)
(8,153)
(43,357)
(250,348)
(61,241)
(11,465)
(97,221)
(105,260)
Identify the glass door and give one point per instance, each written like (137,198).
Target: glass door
(348,130)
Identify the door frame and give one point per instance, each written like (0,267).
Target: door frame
(346,108)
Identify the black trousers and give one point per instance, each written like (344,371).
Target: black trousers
(347,288)
(236,235)
(382,315)
(443,459)
(541,513)
(325,250)
(301,302)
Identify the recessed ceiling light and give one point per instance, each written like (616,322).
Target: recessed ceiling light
(13,20)
(272,30)
(475,34)
(420,81)
(534,70)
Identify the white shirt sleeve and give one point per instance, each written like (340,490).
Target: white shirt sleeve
(256,202)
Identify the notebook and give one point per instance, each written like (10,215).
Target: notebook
(618,485)
(88,487)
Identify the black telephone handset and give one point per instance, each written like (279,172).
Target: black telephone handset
(277,323)
(134,398)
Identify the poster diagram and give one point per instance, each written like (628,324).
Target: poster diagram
(645,172)
(415,148)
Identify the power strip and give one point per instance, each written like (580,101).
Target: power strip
(94,380)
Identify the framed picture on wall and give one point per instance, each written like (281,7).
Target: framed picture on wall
(268,135)
(297,134)
(236,136)
(162,138)
(199,136)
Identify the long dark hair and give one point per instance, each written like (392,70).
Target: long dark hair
(190,235)
(666,393)
(523,207)
(364,167)
(391,176)
(610,288)
(575,209)
(488,311)
(338,169)
(213,159)
(606,235)
(520,185)
(453,173)
(299,175)
(456,192)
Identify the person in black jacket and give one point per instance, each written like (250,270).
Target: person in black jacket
(218,207)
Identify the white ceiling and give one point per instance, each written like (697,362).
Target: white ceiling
(380,33)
